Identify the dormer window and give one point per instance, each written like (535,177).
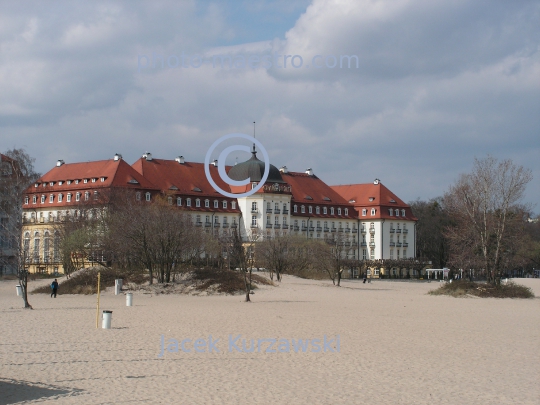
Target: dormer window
(402,213)
(102,179)
(68,182)
(339,211)
(371,199)
(68,198)
(85,181)
(310,209)
(216,204)
(26,200)
(94,180)
(76,182)
(303,209)
(325,210)
(233,205)
(397,213)
(86,196)
(197,203)
(373,212)
(42,199)
(78,197)
(207,203)
(317,210)
(34,199)
(148,196)
(391,211)
(60,183)
(60,197)
(224,205)
(346,211)
(364,212)
(295,208)
(179,201)
(188,202)
(51,198)
(51,183)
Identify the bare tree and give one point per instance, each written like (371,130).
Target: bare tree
(484,204)
(283,254)
(332,256)
(17,174)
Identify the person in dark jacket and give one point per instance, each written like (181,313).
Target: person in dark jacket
(54,287)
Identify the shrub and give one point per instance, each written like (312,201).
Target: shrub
(462,288)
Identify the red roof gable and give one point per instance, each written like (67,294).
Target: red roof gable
(378,196)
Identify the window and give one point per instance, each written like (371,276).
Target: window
(325,210)
(85,181)
(93,180)
(216,204)
(317,210)
(391,253)
(68,182)
(78,197)
(68,198)
(303,209)
(34,199)
(188,202)
(398,254)
(197,203)
(60,197)
(224,205)
(372,254)
(364,254)
(233,205)
(198,219)
(46,246)
(295,208)
(169,200)
(96,194)
(331,210)
(51,198)
(137,196)
(102,179)
(404,253)
(207,203)
(254,220)
(148,196)
(346,211)
(402,213)
(86,196)
(276,207)
(224,220)
(339,211)
(76,181)
(284,221)
(397,213)
(391,212)
(43,199)
(26,200)
(276,220)
(216,220)
(373,212)
(179,201)
(207,219)
(310,208)
(364,212)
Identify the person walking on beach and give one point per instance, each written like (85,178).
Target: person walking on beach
(54,287)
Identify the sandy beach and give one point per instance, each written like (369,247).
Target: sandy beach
(397,345)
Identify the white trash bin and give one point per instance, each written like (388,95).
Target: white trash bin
(129,299)
(117,286)
(107,316)
(19,290)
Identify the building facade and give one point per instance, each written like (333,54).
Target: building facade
(368,219)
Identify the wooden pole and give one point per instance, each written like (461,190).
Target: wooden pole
(97,311)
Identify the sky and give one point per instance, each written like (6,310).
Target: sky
(430,86)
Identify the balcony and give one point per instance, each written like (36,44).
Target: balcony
(363,244)
(311,228)
(198,223)
(340,229)
(296,228)
(304,228)
(372,244)
(405,231)
(372,230)
(392,244)
(268,226)
(405,244)
(216,224)
(207,224)
(254,210)
(277,226)
(398,230)
(319,229)
(392,230)
(234,225)
(398,244)
(347,230)
(269,210)
(254,226)
(363,230)
(333,229)
(225,225)
(285,211)
(277,211)
(326,229)
(354,230)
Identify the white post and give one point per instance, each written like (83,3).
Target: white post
(19,290)
(107,316)
(129,299)
(117,286)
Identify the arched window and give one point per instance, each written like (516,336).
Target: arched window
(137,196)
(188,202)
(207,203)
(303,209)
(179,201)
(26,245)
(56,247)
(36,247)
(346,211)
(46,246)
(197,203)
(295,209)
(339,211)
(402,213)
(325,210)
(148,196)
(331,210)
(317,210)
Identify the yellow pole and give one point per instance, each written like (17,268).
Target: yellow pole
(97,311)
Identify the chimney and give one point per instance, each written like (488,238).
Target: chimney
(59,163)
(180,159)
(215,162)
(147,156)
(117,157)
(309,171)
(283,169)
(376,181)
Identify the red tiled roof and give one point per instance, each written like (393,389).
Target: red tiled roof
(304,185)
(378,196)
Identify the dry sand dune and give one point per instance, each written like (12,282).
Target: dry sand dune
(397,345)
